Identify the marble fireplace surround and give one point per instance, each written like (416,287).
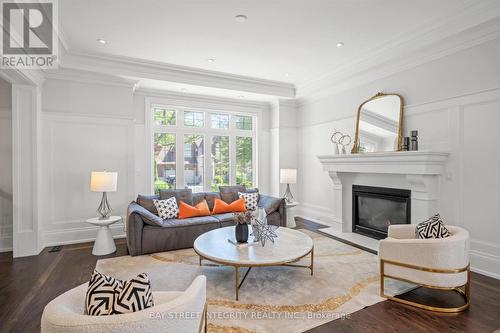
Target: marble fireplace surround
(418,171)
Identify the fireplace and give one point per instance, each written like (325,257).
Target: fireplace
(375,208)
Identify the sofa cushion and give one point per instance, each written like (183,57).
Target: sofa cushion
(210,197)
(222,207)
(225,217)
(181,236)
(146,215)
(167,209)
(184,194)
(230,193)
(251,199)
(146,201)
(270,204)
(190,221)
(186,211)
(198,197)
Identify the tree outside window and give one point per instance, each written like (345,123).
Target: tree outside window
(244,156)
(243,122)
(164,117)
(220,161)
(193,119)
(164,161)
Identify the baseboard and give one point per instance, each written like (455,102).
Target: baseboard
(485,264)
(318,214)
(6,244)
(78,235)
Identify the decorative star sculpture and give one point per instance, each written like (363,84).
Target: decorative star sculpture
(261,231)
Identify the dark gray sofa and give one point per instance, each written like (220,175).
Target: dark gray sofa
(148,233)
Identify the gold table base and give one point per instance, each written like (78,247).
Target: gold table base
(237,267)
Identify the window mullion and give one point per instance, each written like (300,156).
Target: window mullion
(208,163)
(179,169)
(232,159)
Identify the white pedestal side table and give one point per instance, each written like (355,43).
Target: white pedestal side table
(290,220)
(104,243)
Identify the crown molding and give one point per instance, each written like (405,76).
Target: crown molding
(203,99)
(33,77)
(292,103)
(125,66)
(90,78)
(477,23)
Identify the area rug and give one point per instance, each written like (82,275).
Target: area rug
(272,299)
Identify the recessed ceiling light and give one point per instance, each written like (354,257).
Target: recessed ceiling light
(211,60)
(183,89)
(101,41)
(240,18)
(287,74)
(340,44)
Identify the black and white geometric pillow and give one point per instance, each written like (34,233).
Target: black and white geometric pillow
(167,209)
(107,295)
(251,200)
(433,227)
(135,295)
(101,294)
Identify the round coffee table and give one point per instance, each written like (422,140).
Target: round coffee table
(290,246)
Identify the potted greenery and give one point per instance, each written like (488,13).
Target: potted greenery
(241,229)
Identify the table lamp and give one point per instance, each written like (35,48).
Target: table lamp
(103,181)
(288,176)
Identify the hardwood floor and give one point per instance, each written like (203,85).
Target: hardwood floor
(482,316)
(27,284)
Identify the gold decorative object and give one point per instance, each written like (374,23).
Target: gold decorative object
(379,122)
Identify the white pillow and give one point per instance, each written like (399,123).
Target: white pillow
(433,227)
(167,209)
(251,200)
(108,296)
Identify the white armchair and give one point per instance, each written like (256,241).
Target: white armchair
(440,263)
(174,311)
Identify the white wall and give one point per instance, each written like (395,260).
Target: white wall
(5,166)
(95,122)
(454,102)
(85,126)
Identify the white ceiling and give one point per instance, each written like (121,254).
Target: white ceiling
(284,40)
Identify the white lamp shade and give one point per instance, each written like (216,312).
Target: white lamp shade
(103,181)
(288,176)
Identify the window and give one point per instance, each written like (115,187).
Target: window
(164,116)
(164,161)
(219,121)
(193,119)
(194,161)
(244,164)
(243,122)
(201,150)
(219,152)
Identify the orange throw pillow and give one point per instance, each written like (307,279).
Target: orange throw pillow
(186,210)
(235,206)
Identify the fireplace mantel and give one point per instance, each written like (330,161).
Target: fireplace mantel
(418,171)
(407,163)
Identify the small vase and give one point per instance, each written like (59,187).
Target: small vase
(241,233)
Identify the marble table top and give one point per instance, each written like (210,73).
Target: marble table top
(289,246)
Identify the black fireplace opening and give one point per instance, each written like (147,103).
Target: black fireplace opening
(375,208)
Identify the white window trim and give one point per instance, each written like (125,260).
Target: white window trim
(180,130)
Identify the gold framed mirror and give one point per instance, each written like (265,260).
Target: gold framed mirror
(379,124)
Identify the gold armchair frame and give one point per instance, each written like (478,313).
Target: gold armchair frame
(355,147)
(465,293)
